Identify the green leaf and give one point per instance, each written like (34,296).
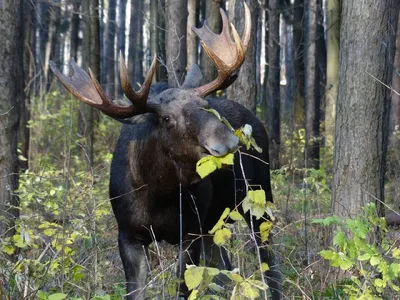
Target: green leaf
(396,253)
(375,260)
(193,295)
(346,264)
(193,276)
(221,221)
(247,290)
(365,256)
(221,236)
(235,215)
(9,249)
(327,254)
(380,283)
(340,240)
(57,296)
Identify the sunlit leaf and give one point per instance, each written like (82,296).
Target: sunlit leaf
(221,236)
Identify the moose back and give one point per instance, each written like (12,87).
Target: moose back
(155,190)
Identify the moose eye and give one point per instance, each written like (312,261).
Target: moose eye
(166,119)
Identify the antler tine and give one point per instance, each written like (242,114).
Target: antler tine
(140,97)
(87,89)
(227,55)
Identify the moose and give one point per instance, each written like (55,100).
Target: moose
(155,190)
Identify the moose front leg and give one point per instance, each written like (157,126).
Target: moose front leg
(190,255)
(133,255)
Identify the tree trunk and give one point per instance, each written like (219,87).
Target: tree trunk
(75,30)
(54,26)
(161,75)
(110,49)
(244,89)
(135,62)
(395,110)
(366,61)
(214,21)
(176,41)
(298,45)
(11,87)
(91,58)
(191,36)
(121,40)
(29,54)
(273,84)
(311,89)
(332,72)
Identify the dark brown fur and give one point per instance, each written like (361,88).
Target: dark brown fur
(153,171)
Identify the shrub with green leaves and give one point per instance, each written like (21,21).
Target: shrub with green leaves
(362,249)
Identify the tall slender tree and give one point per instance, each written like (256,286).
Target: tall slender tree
(75,21)
(110,48)
(366,61)
(273,83)
(11,87)
(332,72)
(312,84)
(191,36)
(214,21)
(121,35)
(135,63)
(91,58)
(395,110)
(244,89)
(176,41)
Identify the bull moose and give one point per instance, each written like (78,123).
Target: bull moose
(155,190)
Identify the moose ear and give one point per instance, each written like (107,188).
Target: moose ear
(193,78)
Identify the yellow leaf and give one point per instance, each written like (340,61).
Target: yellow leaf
(248,290)
(264,267)
(206,166)
(221,236)
(221,221)
(257,197)
(193,276)
(237,278)
(396,253)
(235,216)
(193,295)
(226,159)
(265,229)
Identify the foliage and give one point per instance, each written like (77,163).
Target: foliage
(372,262)
(64,209)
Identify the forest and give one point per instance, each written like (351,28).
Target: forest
(323,77)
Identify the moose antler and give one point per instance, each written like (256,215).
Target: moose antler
(227,55)
(87,89)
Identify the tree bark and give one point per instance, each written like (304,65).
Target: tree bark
(395,109)
(91,58)
(53,32)
(191,36)
(110,48)
(135,62)
(244,89)
(121,40)
(298,45)
(11,87)
(176,41)
(214,21)
(332,72)
(273,84)
(75,30)
(311,89)
(366,61)
(161,33)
